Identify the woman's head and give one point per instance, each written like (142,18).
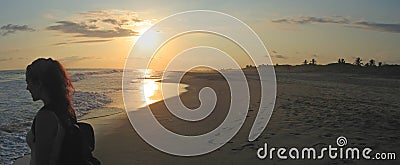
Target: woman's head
(47,80)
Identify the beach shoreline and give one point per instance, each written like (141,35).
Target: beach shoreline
(311,110)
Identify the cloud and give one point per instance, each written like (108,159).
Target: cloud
(74,58)
(60,43)
(6,59)
(23,58)
(384,27)
(101,24)
(11,29)
(279,56)
(84,30)
(276,55)
(11,50)
(137,20)
(309,20)
(111,21)
(90,41)
(363,24)
(92,20)
(79,42)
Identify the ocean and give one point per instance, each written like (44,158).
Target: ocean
(94,88)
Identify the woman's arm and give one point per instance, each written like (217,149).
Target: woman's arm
(45,133)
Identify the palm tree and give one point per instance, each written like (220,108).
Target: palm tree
(372,62)
(313,62)
(358,62)
(305,62)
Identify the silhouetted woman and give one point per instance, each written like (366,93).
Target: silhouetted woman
(48,81)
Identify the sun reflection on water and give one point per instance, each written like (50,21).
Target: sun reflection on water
(150,87)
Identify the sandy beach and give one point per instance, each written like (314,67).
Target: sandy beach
(311,110)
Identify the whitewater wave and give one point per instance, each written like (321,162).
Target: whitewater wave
(80,75)
(17,112)
(12,133)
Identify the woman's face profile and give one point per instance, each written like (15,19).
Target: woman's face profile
(34,89)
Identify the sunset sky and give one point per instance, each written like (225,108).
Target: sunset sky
(100,34)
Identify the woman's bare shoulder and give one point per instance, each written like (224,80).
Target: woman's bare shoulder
(46,120)
(46,115)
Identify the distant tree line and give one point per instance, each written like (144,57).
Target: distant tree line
(357,62)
